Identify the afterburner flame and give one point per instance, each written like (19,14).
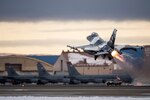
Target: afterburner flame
(116,55)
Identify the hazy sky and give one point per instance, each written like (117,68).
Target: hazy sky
(47,26)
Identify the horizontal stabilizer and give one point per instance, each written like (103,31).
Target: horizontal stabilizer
(94,39)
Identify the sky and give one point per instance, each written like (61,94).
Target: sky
(47,26)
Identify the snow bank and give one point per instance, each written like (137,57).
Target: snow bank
(72,98)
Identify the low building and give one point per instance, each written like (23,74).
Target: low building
(84,63)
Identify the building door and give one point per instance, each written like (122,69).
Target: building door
(61,65)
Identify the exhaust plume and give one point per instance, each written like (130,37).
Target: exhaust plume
(137,65)
(116,55)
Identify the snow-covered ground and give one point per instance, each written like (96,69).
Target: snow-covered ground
(72,98)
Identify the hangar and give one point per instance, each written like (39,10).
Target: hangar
(24,64)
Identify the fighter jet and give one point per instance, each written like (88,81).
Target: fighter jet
(45,77)
(77,78)
(3,79)
(15,78)
(99,47)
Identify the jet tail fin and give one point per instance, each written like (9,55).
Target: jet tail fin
(11,72)
(72,70)
(41,70)
(111,42)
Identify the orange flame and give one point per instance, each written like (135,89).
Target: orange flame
(116,55)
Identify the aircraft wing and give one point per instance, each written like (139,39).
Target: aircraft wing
(83,46)
(101,53)
(78,47)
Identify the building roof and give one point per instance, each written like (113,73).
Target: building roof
(51,59)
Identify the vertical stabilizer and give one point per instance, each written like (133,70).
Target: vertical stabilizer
(11,72)
(72,70)
(111,42)
(41,70)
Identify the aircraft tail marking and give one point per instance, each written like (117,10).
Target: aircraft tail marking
(41,70)
(72,70)
(11,71)
(111,42)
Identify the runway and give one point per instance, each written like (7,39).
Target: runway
(73,90)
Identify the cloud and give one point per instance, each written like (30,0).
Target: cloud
(134,40)
(37,10)
(36,42)
(64,42)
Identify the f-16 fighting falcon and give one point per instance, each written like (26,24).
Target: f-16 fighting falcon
(99,47)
